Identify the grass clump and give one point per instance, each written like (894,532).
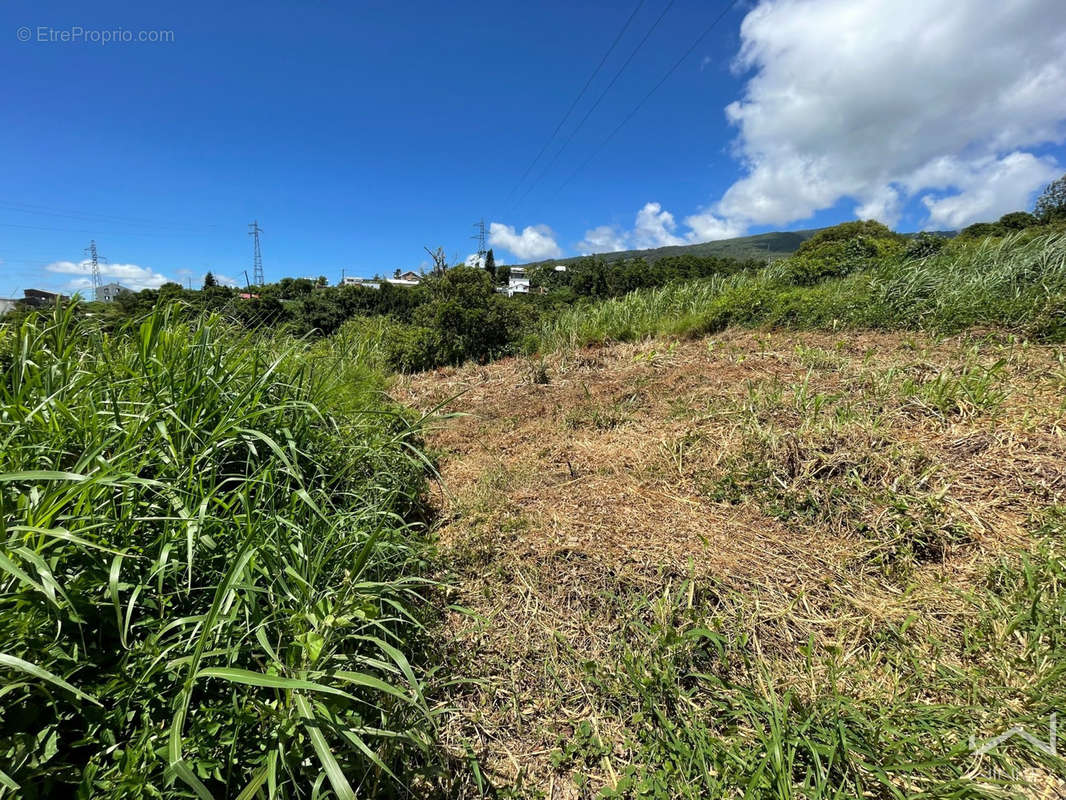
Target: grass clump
(207,568)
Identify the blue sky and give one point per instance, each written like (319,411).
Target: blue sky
(357,134)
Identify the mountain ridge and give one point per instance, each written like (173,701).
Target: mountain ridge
(760,246)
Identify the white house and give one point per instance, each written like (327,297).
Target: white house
(517,281)
(109,291)
(409,278)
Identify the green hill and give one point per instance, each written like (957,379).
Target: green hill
(760,246)
(776,244)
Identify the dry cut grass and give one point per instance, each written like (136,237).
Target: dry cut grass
(812,495)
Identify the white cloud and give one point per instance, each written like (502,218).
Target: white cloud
(706,227)
(886,100)
(655,228)
(223,280)
(989,189)
(131,276)
(602,239)
(535,242)
(472,260)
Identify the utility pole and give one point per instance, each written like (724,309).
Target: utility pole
(94,260)
(480,238)
(247,284)
(257,258)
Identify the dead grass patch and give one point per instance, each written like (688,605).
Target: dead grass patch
(815,476)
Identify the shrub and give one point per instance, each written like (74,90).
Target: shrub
(870,229)
(1018,220)
(470,319)
(924,244)
(981,230)
(414,348)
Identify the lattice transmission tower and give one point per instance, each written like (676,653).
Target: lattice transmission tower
(479,237)
(257,259)
(94,260)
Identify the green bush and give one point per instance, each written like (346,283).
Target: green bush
(414,348)
(1017,221)
(924,244)
(469,319)
(845,231)
(981,230)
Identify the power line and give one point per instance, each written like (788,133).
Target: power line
(89,230)
(644,99)
(599,99)
(48,211)
(577,99)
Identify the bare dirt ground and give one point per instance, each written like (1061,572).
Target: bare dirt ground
(573,483)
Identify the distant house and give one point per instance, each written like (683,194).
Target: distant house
(6,305)
(409,278)
(39,298)
(517,281)
(247,296)
(348,280)
(110,291)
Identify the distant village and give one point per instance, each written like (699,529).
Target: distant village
(517,283)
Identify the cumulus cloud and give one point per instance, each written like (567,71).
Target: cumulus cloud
(990,188)
(706,227)
(535,242)
(131,276)
(885,100)
(602,239)
(654,227)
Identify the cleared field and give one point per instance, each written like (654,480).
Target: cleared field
(762,564)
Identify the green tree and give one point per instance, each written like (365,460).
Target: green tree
(209,280)
(870,228)
(1018,220)
(980,230)
(1051,205)
(490,264)
(469,317)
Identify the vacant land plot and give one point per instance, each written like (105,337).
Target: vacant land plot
(769,563)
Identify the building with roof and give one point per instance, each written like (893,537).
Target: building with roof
(39,298)
(110,291)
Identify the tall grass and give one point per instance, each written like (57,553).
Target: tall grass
(1018,282)
(207,574)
